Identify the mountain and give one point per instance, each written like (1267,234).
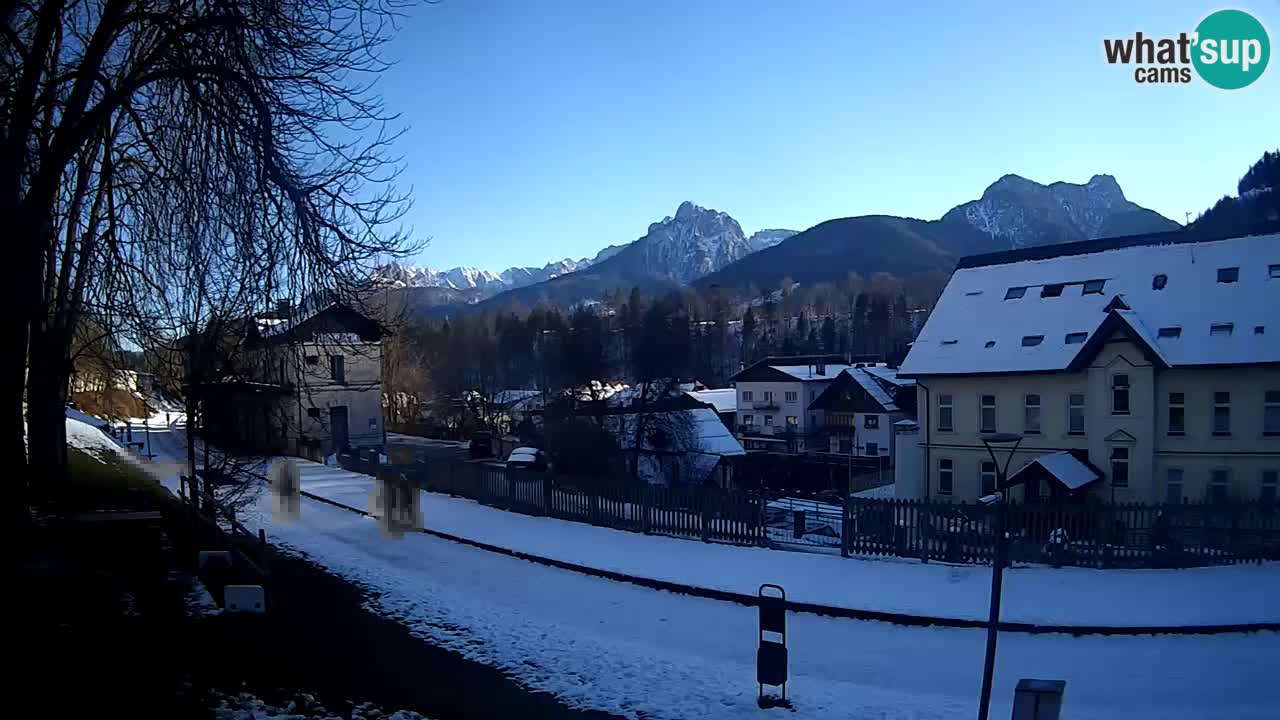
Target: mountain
(673,252)
(1012,212)
(768,238)
(1020,212)
(1256,207)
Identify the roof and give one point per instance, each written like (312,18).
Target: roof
(1065,467)
(840,396)
(806,373)
(334,318)
(707,434)
(724,400)
(888,374)
(975,329)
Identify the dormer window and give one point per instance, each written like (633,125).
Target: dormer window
(1273,272)
(1032,340)
(990,344)
(1076,338)
(1014,293)
(1159,281)
(950,342)
(1093,287)
(1228,275)
(1221,329)
(1259,329)
(1054,290)
(972,293)
(1169,332)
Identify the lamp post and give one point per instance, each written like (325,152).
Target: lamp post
(997,563)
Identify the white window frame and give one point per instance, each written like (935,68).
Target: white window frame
(1180,404)
(870,421)
(983,408)
(1270,480)
(791,396)
(747,395)
(768,421)
(1271,407)
(793,421)
(1170,482)
(950,406)
(748,419)
(768,396)
(1215,474)
(1126,388)
(1027,414)
(1221,404)
(947,470)
(1125,460)
(1084,415)
(984,474)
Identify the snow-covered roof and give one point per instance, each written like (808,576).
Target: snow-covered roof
(707,434)
(888,374)
(725,400)
(1066,467)
(873,388)
(1171,297)
(810,372)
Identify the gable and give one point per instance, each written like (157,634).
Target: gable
(1120,436)
(761,373)
(847,394)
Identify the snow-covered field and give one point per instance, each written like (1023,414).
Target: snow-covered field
(643,653)
(1065,596)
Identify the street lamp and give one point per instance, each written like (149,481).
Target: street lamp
(997,563)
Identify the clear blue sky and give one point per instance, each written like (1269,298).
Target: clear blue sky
(540,129)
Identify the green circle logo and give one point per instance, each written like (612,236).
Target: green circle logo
(1232,49)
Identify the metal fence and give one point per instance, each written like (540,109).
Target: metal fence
(1091,535)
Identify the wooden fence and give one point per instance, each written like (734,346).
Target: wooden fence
(1092,535)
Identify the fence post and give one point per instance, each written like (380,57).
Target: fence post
(925,532)
(595,506)
(548,489)
(704,501)
(844,526)
(511,488)
(645,502)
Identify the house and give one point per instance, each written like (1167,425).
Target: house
(686,444)
(723,400)
(858,411)
(775,400)
(1142,369)
(307,383)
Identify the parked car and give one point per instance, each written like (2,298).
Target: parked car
(527,458)
(480,445)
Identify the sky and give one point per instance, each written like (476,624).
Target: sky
(543,129)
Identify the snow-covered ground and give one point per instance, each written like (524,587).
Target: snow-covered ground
(621,648)
(617,647)
(1065,596)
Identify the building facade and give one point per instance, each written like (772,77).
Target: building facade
(1153,362)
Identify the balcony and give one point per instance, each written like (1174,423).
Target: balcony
(765,404)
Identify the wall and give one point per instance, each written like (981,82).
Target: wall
(806,393)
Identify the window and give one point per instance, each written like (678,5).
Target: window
(1228,275)
(1053,290)
(1014,293)
(945,414)
(1271,412)
(813,421)
(313,412)
(793,422)
(1221,329)
(748,419)
(987,474)
(1159,281)
(1173,486)
(1119,394)
(1273,272)
(1177,414)
(1031,415)
(1219,484)
(313,359)
(1169,332)
(950,342)
(871,422)
(337,368)
(1075,338)
(1222,413)
(768,421)
(990,344)
(1120,467)
(1093,287)
(768,396)
(1259,329)
(1269,486)
(1075,414)
(944,476)
(873,448)
(746,396)
(1032,340)
(791,396)
(987,414)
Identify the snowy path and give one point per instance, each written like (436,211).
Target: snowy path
(643,653)
(1066,596)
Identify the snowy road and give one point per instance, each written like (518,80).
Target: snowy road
(641,653)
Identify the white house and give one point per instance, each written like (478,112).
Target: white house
(1136,369)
